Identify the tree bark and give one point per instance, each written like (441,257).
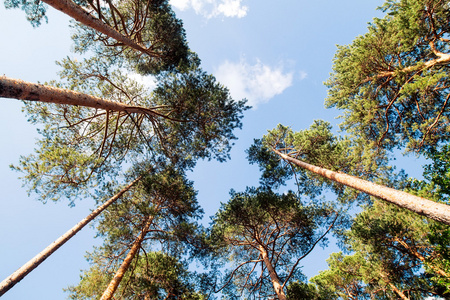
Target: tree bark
(23,271)
(22,90)
(114,284)
(398,292)
(415,253)
(273,274)
(433,210)
(78,13)
(443,59)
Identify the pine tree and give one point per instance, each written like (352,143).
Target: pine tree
(266,235)
(317,145)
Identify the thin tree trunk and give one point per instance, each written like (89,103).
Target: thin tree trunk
(23,271)
(436,211)
(393,287)
(78,13)
(398,292)
(114,284)
(22,90)
(273,274)
(415,253)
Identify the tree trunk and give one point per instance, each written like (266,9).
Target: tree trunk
(436,211)
(273,274)
(22,90)
(23,271)
(398,292)
(78,13)
(393,287)
(114,284)
(415,253)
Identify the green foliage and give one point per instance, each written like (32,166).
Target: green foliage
(35,10)
(318,146)
(343,279)
(169,200)
(261,219)
(273,172)
(206,112)
(299,291)
(151,24)
(392,82)
(155,275)
(392,248)
(438,172)
(187,116)
(401,240)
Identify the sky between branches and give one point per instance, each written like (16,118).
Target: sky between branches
(275,54)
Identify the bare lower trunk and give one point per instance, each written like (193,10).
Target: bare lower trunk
(22,90)
(18,275)
(273,274)
(78,13)
(436,211)
(114,284)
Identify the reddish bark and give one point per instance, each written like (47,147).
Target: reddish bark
(78,13)
(23,271)
(436,211)
(114,284)
(22,90)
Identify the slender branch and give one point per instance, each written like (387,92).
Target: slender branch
(309,251)
(234,271)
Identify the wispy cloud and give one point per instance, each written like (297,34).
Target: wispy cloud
(213,8)
(258,83)
(147,81)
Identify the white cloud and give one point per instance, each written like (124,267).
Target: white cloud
(213,8)
(148,81)
(180,4)
(257,83)
(232,8)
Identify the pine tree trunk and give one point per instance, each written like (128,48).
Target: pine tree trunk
(398,292)
(420,257)
(393,287)
(433,210)
(114,284)
(78,13)
(23,271)
(22,90)
(273,274)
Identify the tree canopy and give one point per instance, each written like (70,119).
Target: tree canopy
(137,106)
(391,82)
(267,235)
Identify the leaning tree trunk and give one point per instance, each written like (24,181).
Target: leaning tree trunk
(273,274)
(23,271)
(22,90)
(433,210)
(398,292)
(78,13)
(114,284)
(416,254)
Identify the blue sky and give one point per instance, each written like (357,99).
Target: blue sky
(277,54)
